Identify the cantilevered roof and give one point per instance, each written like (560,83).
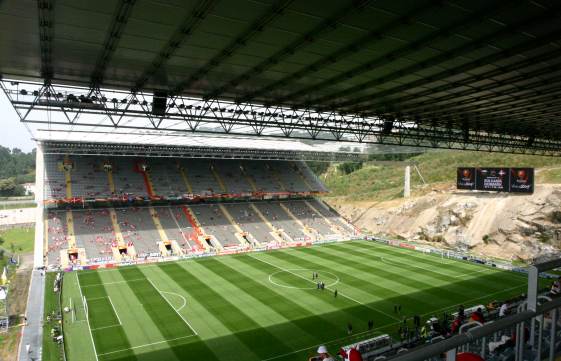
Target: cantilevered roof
(486,65)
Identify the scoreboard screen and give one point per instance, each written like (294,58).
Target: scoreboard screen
(492,179)
(516,180)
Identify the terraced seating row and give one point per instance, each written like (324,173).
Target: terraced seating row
(92,177)
(103,234)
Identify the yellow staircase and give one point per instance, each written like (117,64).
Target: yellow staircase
(277,178)
(68,180)
(303,177)
(118,236)
(111,182)
(197,225)
(183,173)
(274,232)
(249,179)
(333,227)
(306,229)
(70,227)
(163,236)
(218,179)
(239,232)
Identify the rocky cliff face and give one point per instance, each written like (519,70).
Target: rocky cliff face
(507,226)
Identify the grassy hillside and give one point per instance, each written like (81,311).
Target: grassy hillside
(376,181)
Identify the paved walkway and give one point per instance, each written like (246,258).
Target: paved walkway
(33,332)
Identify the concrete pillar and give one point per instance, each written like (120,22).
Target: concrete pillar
(38,260)
(407,183)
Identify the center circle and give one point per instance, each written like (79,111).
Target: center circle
(303,274)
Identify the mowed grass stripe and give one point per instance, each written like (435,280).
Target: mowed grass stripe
(453,289)
(408,265)
(384,285)
(358,278)
(408,258)
(457,265)
(178,335)
(300,325)
(346,310)
(170,324)
(109,339)
(258,339)
(101,313)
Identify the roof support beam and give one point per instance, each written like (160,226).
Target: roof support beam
(46,24)
(120,19)
(469,20)
(191,21)
(446,56)
(241,41)
(467,100)
(344,52)
(377,99)
(219,117)
(325,27)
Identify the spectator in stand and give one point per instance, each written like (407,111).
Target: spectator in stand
(477,316)
(556,288)
(504,309)
(455,327)
(323,355)
(461,313)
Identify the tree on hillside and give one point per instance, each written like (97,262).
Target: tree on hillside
(16,167)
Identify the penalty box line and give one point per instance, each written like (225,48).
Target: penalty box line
(145,345)
(114,311)
(173,308)
(341,294)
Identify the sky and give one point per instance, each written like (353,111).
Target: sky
(13,133)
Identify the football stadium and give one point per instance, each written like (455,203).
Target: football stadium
(183,152)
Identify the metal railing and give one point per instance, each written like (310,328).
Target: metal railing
(534,333)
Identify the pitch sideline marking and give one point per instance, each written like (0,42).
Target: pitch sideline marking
(177,294)
(337,279)
(114,283)
(87,318)
(341,294)
(115,310)
(145,345)
(389,325)
(170,305)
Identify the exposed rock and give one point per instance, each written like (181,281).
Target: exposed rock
(501,225)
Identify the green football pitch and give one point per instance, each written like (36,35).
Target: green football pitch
(265,306)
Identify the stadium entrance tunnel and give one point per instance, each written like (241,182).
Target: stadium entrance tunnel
(302,278)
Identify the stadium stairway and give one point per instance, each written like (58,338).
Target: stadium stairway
(245,238)
(248,178)
(278,234)
(67,179)
(276,177)
(302,177)
(332,226)
(186,181)
(70,229)
(200,232)
(308,231)
(110,181)
(163,236)
(147,182)
(118,236)
(218,179)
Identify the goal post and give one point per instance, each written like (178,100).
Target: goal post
(85,302)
